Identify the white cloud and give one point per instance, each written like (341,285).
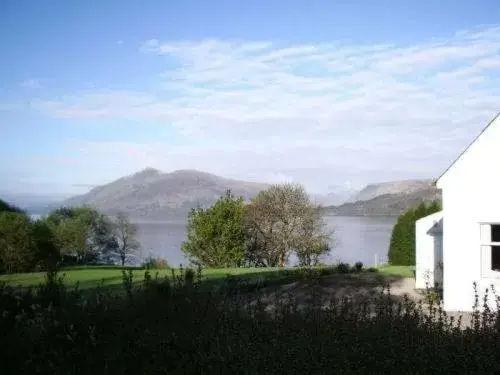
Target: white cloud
(353,112)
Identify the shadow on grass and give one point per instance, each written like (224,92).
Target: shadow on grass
(305,285)
(328,289)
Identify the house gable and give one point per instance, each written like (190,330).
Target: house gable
(495,122)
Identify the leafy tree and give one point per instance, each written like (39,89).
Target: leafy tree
(124,233)
(6,207)
(216,237)
(17,247)
(282,219)
(71,237)
(402,246)
(47,252)
(82,232)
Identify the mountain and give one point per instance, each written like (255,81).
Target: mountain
(392,187)
(154,195)
(395,198)
(333,198)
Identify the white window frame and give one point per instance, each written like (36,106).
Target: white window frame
(485,247)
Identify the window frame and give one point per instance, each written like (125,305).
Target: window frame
(486,250)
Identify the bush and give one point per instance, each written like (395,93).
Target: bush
(358,266)
(167,325)
(402,244)
(372,269)
(343,268)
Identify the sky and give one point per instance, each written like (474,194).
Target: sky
(329,94)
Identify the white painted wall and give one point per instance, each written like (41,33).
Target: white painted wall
(471,195)
(426,273)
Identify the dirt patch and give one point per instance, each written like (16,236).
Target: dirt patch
(335,287)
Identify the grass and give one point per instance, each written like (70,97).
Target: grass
(92,276)
(398,271)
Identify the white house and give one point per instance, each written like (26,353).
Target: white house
(460,245)
(429,254)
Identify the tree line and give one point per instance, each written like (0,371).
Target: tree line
(280,221)
(66,236)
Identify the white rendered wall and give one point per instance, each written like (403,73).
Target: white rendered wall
(471,195)
(425,257)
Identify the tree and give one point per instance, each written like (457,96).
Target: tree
(82,233)
(314,240)
(216,237)
(17,248)
(71,235)
(6,207)
(47,253)
(402,246)
(282,219)
(124,233)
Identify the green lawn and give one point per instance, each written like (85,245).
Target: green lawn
(93,276)
(88,277)
(400,271)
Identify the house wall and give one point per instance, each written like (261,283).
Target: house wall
(471,195)
(425,252)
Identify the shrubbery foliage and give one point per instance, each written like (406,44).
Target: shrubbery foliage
(402,244)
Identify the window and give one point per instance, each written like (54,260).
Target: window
(490,250)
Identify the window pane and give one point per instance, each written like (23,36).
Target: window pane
(495,233)
(495,258)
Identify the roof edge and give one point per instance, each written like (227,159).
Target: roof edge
(467,148)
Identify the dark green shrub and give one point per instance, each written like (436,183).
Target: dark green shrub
(189,275)
(372,269)
(343,268)
(358,266)
(171,327)
(402,243)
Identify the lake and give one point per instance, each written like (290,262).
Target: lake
(364,239)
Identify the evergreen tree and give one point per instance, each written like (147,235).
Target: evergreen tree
(402,246)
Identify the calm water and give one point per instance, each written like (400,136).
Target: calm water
(362,239)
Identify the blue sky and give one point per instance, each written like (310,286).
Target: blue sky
(327,93)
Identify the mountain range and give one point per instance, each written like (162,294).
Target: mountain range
(153,195)
(388,198)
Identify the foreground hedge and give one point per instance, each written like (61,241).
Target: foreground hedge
(177,328)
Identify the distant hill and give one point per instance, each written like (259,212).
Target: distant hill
(392,187)
(153,195)
(394,198)
(333,198)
